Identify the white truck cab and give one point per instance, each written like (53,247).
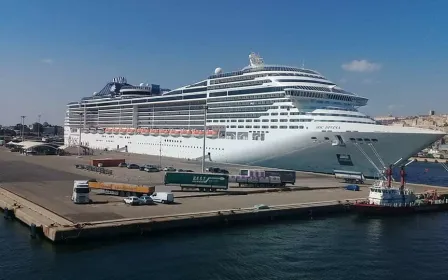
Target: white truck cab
(81,192)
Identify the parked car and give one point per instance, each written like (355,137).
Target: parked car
(132,200)
(133,166)
(142,168)
(152,169)
(223,171)
(122,164)
(146,199)
(188,170)
(170,168)
(163,197)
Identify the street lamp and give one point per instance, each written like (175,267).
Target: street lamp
(23,125)
(80,126)
(203,144)
(38,125)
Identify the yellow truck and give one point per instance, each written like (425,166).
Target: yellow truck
(121,189)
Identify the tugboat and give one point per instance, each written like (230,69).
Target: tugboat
(388,201)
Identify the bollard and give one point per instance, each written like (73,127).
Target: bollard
(33,231)
(310,214)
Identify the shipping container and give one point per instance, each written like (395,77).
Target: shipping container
(122,189)
(286,176)
(202,181)
(108,162)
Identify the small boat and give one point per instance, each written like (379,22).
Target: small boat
(139,130)
(130,131)
(108,130)
(164,132)
(212,134)
(123,130)
(198,133)
(154,132)
(186,132)
(116,130)
(385,200)
(175,132)
(101,130)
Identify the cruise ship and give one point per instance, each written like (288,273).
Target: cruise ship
(263,115)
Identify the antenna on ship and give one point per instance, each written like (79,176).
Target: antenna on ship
(303,64)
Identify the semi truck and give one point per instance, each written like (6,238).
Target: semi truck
(202,181)
(121,189)
(286,176)
(81,191)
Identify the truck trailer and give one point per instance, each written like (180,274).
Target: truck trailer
(201,181)
(121,189)
(286,176)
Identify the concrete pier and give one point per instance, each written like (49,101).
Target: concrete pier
(37,189)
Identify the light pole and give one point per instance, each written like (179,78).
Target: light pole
(38,125)
(160,151)
(80,128)
(203,144)
(23,126)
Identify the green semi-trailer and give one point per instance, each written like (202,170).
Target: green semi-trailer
(202,181)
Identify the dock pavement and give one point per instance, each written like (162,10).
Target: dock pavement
(38,189)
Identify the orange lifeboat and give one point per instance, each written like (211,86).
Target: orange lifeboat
(145,131)
(175,132)
(123,130)
(108,130)
(186,133)
(154,131)
(116,130)
(212,134)
(130,131)
(164,132)
(198,133)
(139,131)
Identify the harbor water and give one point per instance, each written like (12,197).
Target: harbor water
(347,247)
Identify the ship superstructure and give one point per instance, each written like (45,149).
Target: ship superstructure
(264,115)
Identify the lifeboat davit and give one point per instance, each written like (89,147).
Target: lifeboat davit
(154,131)
(186,133)
(212,134)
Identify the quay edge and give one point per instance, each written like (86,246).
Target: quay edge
(57,229)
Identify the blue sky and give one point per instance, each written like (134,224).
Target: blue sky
(53,52)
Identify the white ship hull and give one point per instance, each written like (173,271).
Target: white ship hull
(295,150)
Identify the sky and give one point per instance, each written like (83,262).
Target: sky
(53,52)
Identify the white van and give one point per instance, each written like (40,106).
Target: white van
(163,197)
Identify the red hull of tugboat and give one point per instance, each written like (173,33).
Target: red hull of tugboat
(379,210)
